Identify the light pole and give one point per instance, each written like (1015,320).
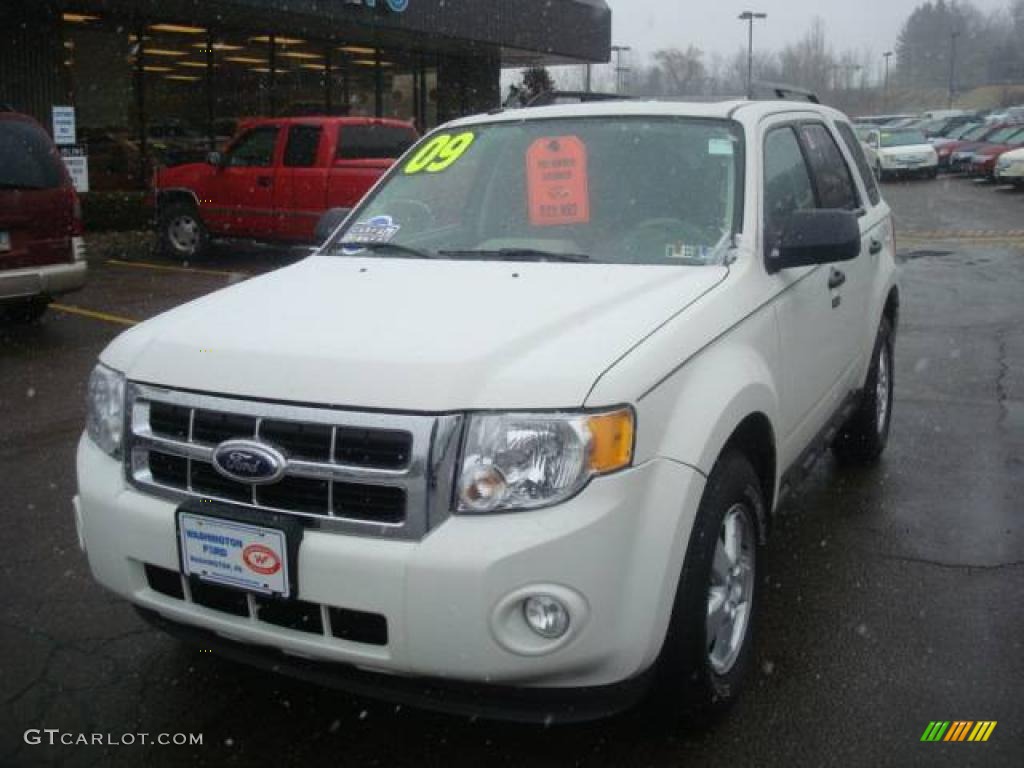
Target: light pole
(620,70)
(885,88)
(952,65)
(749,16)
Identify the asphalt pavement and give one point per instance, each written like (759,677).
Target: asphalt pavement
(894,595)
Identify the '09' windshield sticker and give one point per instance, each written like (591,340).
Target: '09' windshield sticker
(440,153)
(379,229)
(556,178)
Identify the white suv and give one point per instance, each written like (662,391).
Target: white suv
(509,442)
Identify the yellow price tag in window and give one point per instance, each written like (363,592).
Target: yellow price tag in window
(440,153)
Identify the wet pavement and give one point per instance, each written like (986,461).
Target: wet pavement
(894,595)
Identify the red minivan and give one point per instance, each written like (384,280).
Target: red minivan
(275,180)
(41,250)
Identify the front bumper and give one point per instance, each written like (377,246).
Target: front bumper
(52,280)
(618,545)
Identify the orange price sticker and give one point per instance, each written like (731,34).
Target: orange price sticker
(556,177)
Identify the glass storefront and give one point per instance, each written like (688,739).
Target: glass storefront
(167,93)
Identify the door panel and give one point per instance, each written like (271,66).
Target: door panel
(301,193)
(811,359)
(241,193)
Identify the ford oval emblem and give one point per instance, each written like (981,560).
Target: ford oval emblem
(246,461)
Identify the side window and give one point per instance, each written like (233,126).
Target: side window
(850,139)
(255,149)
(787,182)
(831,174)
(374,141)
(303,145)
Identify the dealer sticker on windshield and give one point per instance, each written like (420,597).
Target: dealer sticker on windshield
(248,557)
(378,230)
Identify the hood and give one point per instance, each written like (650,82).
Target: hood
(182,175)
(908,149)
(411,335)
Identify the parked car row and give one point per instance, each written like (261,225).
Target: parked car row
(945,141)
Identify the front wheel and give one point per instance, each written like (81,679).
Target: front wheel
(709,645)
(864,436)
(183,235)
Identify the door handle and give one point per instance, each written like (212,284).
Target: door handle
(836,278)
(875,248)
(265,181)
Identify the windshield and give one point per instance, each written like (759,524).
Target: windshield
(612,190)
(963,130)
(902,138)
(1000,136)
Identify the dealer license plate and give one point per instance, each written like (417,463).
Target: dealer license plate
(5,241)
(234,554)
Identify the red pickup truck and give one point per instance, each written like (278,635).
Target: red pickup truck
(274,180)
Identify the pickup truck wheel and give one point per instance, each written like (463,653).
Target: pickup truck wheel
(864,436)
(182,232)
(27,311)
(709,644)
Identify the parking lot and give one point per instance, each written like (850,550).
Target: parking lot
(895,595)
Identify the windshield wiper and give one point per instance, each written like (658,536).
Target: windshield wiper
(378,246)
(517,254)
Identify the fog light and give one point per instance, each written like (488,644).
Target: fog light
(546,616)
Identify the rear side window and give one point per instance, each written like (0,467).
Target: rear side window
(787,182)
(374,141)
(831,174)
(27,158)
(303,145)
(850,139)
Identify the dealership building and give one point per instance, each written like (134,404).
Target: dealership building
(175,76)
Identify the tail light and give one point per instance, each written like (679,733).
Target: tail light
(77,229)
(891,236)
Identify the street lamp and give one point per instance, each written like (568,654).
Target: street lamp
(620,70)
(885,88)
(952,65)
(749,16)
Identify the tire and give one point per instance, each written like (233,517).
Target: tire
(933,173)
(879,173)
(183,236)
(863,438)
(25,311)
(701,671)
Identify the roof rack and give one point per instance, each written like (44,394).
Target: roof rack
(762,91)
(547,98)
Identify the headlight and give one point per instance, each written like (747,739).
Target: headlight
(517,461)
(105,420)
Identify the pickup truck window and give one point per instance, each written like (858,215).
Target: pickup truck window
(374,142)
(254,149)
(303,146)
(616,190)
(787,182)
(831,174)
(850,139)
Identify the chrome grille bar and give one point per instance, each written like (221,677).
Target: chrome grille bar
(426,478)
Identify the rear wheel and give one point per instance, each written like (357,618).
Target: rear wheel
(183,235)
(864,436)
(25,311)
(709,645)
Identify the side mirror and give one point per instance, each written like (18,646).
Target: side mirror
(329,222)
(816,237)
(215,159)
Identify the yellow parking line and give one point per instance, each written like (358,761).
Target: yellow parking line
(105,317)
(170,268)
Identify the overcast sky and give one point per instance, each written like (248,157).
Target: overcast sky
(711,25)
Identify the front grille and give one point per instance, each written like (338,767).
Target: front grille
(365,473)
(300,616)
